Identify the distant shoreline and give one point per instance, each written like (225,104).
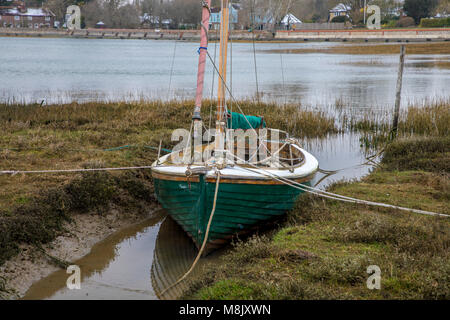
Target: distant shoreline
(372,49)
(386,35)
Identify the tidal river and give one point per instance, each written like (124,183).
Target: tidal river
(63,70)
(140,261)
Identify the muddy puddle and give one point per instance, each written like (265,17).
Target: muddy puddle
(138,262)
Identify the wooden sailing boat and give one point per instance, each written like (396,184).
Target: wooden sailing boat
(220,195)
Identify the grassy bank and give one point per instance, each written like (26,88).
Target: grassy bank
(324,247)
(320,250)
(429,120)
(35,207)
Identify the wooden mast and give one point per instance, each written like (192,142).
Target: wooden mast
(202,58)
(202,52)
(221,101)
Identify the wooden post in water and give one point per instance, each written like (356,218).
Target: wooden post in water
(398,93)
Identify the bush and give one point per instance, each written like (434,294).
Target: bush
(435,23)
(339,19)
(419,8)
(405,22)
(390,24)
(344,271)
(41,219)
(389,18)
(94,190)
(251,250)
(8,247)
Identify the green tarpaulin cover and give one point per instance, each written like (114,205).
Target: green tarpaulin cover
(237,121)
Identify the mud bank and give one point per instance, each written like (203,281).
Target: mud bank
(31,264)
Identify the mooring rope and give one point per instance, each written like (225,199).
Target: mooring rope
(271,175)
(334,196)
(85,150)
(14,172)
(76,170)
(205,240)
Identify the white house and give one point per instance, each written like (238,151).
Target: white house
(216,14)
(339,10)
(154,21)
(290,21)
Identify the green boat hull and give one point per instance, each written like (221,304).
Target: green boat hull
(239,206)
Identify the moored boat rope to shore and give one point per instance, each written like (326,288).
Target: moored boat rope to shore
(14,172)
(334,196)
(286,181)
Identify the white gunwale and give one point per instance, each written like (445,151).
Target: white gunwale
(307,168)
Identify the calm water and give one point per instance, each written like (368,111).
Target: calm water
(140,261)
(61,70)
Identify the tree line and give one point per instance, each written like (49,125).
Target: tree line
(187,13)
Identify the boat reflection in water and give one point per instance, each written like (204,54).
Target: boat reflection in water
(137,262)
(173,256)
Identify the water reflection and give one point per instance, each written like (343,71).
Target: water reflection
(173,256)
(340,154)
(114,269)
(138,262)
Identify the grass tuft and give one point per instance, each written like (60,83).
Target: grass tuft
(429,154)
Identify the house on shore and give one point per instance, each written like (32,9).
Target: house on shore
(19,16)
(341,10)
(151,21)
(216,14)
(100,25)
(290,22)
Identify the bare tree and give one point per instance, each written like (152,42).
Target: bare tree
(93,13)
(59,7)
(443,7)
(268,12)
(114,13)
(150,6)
(184,12)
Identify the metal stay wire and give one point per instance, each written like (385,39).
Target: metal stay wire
(233,98)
